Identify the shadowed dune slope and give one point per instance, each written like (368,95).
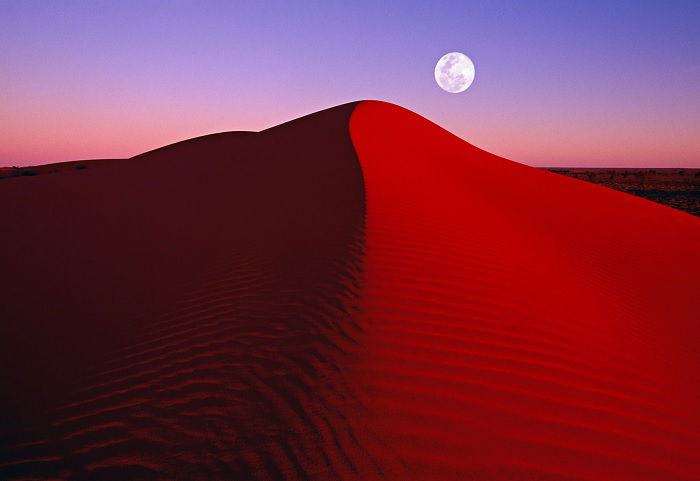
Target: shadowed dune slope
(353,295)
(524,325)
(182,314)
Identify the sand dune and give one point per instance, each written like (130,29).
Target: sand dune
(356,294)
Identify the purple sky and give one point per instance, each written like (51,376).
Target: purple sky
(578,83)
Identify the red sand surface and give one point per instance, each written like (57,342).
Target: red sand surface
(178,315)
(357,294)
(529,327)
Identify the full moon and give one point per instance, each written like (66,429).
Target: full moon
(454,72)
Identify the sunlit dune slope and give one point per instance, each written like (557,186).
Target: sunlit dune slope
(524,325)
(353,295)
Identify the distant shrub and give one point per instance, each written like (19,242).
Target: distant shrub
(28,173)
(80,167)
(54,171)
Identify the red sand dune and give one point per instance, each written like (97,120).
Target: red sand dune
(356,294)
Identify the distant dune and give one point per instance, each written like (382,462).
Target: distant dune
(353,295)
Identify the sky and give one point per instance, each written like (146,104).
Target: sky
(558,82)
